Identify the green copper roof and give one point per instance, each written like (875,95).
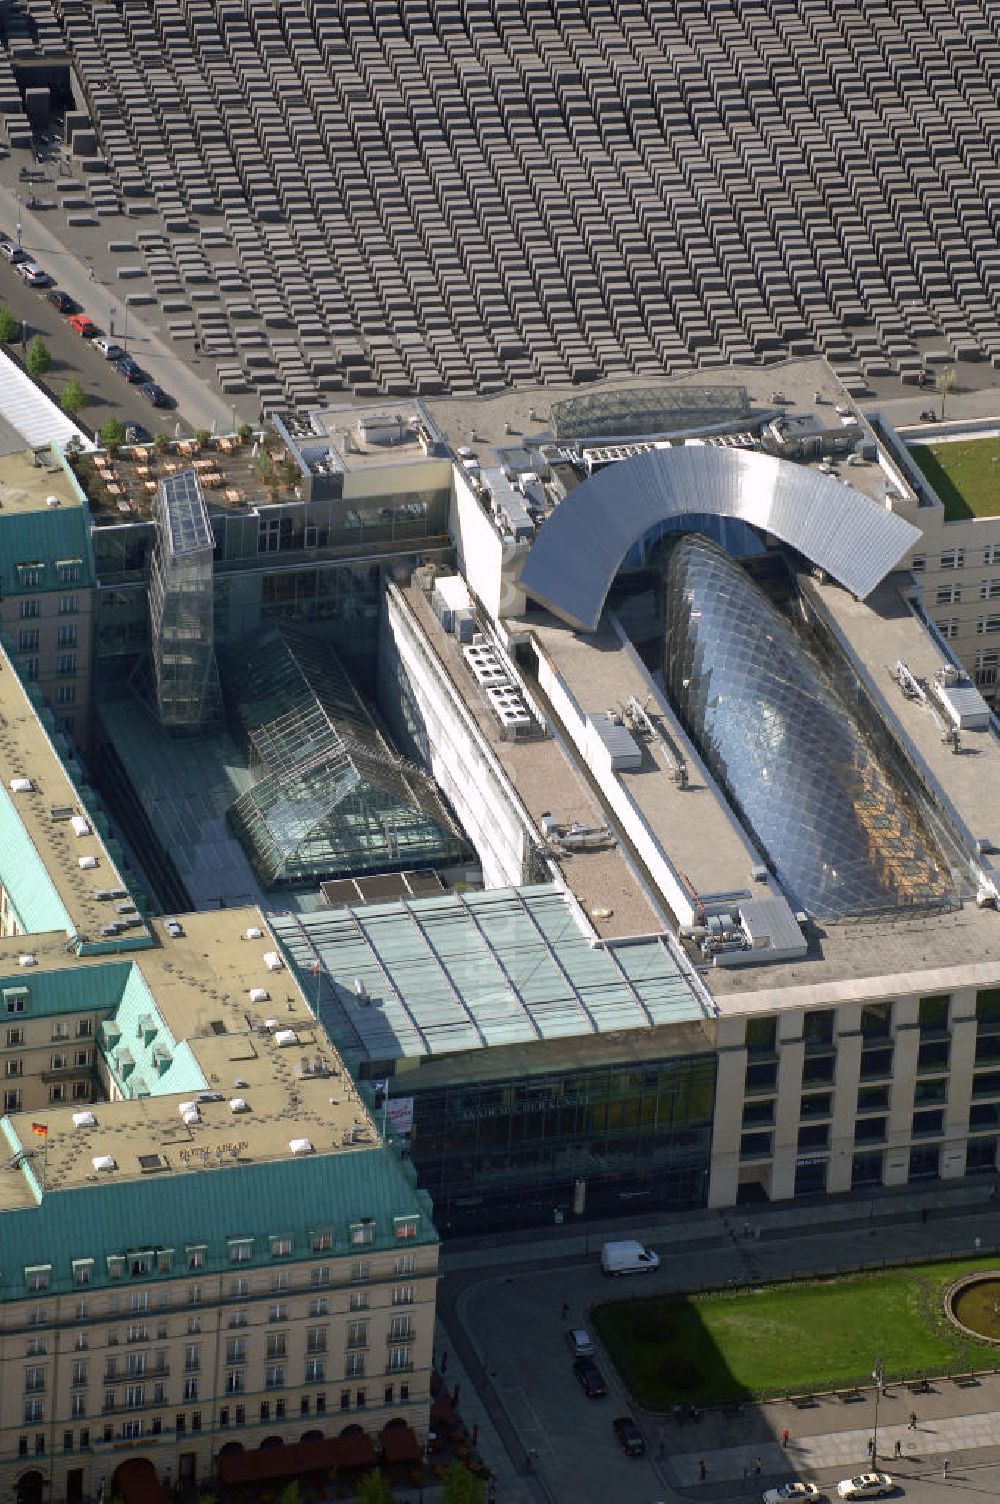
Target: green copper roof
(208,1208)
(36,903)
(75,989)
(143,1056)
(46,537)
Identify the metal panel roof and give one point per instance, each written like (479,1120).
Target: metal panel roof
(36,418)
(461,971)
(30,889)
(580,548)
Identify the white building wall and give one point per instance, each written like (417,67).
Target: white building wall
(411,680)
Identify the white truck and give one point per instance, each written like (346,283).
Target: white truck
(628,1257)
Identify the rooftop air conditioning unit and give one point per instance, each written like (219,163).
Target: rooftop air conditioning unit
(253,933)
(103,1162)
(81,827)
(259,995)
(285,1037)
(84,1120)
(87,863)
(21,786)
(273,961)
(300,1145)
(239,1104)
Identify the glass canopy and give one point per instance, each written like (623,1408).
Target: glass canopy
(775,733)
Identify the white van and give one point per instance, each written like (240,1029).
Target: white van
(628,1257)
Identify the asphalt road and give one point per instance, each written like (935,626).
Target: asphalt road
(110,395)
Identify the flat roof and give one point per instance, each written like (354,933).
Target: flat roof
(548,783)
(26,486)
(462,971)
(41,853)
(192,994)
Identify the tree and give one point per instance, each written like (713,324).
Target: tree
(10,327)
(39,358)
(291,1493)
(460,1486)
(202,436)
(373,1489)
(946,382)
(74,398)
(113,435)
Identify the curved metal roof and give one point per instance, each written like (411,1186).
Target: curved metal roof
(579,550)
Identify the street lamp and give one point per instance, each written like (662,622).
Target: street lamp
(878,1374)
(17,226)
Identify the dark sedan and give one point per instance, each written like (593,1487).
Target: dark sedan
(591,1379)
(62,300)
(629,1436)
(154,394)
(131,369)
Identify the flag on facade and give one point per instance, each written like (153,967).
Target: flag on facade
(40,1129)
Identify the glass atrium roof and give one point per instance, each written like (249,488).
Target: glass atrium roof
(775,733)
(330,795)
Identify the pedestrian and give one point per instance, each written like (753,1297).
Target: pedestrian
(912,1422)
(946,1468)
(91,272)
(758,1467)
(757,1234)
(871,1447)
(702,1470)
(565,1309)
(784,1436)
(897,1450)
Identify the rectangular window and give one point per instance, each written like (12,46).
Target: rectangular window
(357,1334)
(316,1339)
(190,1391)
(78,1406)
(399,1359)
(66,665)
(68,571)
(315,1371)
(274,1376)
(240,1250)
(278,1312)
(320,1275)
(986,625)
(135,1396)
(15,1037)
(281,1247)
(402,1295)
(239,1317)
(991,553)
(949,595)
(236,1381)
(34,1380)
(948,628)
(279,1281)
(275,1344)
(83,1271)
(236,1350)
(192,1358)
(989,590)
(360,1300)
(65,694)
(30,610)
(34,1412)
(953,558)
(400,1329)
(27,640)
(29,668)
(66,636)
(37,1276)
(354,1366)
(321,1242)
(69,605)
(362,1233)
(405,1265)
(360,1270)
(12,1100)
(320,1306)
(405,1228)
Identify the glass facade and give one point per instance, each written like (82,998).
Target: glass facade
(777,735)
(512,1152)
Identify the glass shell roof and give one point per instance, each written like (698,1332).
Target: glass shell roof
(776,735)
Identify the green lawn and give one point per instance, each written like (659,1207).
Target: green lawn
(812,1335)
(966,476)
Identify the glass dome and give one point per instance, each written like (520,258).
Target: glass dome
(776,735)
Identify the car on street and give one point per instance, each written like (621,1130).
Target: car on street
(591,1379)
(789,1493)
(136,434)
(13,252)
(84,326)
(866,1486)
(108,348)
(33,274)
(131,369)
(629,1436)
(61,300)
(154,394)
(580,1342)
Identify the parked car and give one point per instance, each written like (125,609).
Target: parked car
(33,274)
(84,326)
(136,434)
(629,1436)
(154,394)
(62,300)
(784,1492)
(131,369)
(866,1486)
(591,1379)
(580,1342)
(13,252)
(108,348)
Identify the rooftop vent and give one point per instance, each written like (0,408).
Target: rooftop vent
(189,1113)
(173,927)
(239,1104)
(273,961)
(87,863)
(285,1037)
(150,1163)
(300,1145)
(84,1120)
(253,933)
(81,827)
(21,786)
(52,501)
(27,959)
(259,995)
(272,1024)
(104,1162)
